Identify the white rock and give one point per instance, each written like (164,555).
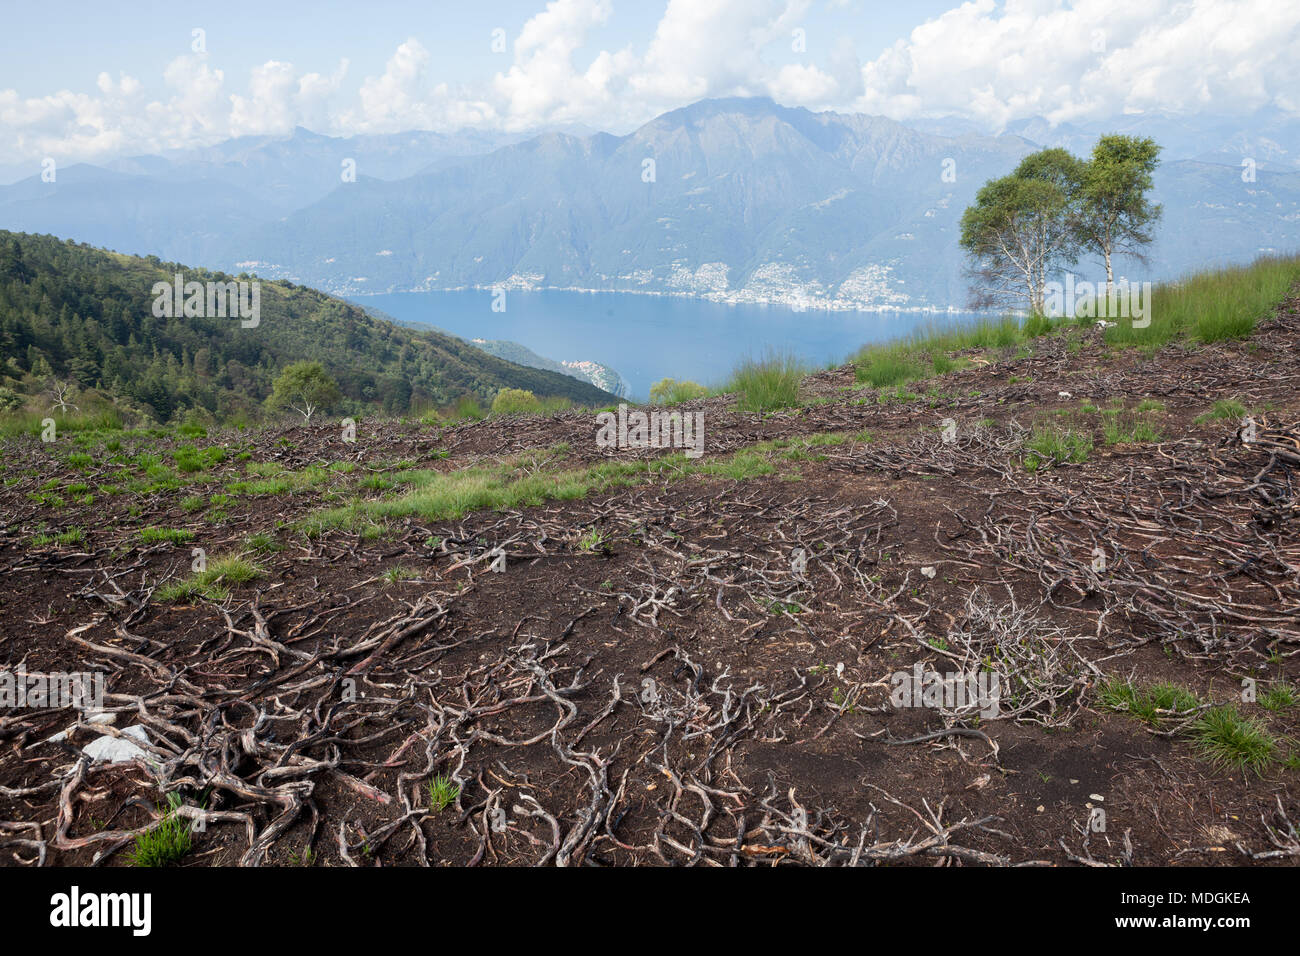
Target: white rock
(91,718)
(928,571)
(116,749)
(1098,797)
(1064,395)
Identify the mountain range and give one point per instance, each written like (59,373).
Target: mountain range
(735,199)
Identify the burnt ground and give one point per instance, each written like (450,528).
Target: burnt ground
(655,677)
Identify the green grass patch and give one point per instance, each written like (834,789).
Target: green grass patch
(669,391)
(264,543)
(534,479)
(64,539)
(1050,445)
(1212,305)
(14,424)
(169,535)
(1279,697)
(164,845)
(189,459)
(399,573)
(883,369)
(1225,409)
(1119,427)
(1146,703)
(213,582)
(1229,741)
(442,793)
(766,384)
(282,483)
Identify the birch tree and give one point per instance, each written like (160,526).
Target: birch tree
(304,387)
(1115,216)
(1022,230)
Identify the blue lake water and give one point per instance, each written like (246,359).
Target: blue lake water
(645,338)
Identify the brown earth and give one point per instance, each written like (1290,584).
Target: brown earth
(651,679)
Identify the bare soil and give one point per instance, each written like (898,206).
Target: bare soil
(673,689)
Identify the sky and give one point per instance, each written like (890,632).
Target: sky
(86,82)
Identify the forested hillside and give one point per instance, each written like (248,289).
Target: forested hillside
(72,312)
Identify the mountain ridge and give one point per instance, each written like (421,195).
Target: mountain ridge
(736,199)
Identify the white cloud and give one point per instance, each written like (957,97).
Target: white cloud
(543,82)
(988,61)
(1093,59)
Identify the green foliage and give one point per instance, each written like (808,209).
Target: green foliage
(1148,703)
(889,367)
(1230,741)
(211,583)
(398,574)
(1119,427)
(306,388)
(1053,445)
(170,535)
(1034,209)
(530,480)
(190,459)
(1025,227)
(1114,214)
(1214,304)
(167,843)
(1036,325)
(81,314)
(1223,408)
(442,793)
(669,391)
(1279,697)
(766,384)
(468,408)
(515,401)
(65,539)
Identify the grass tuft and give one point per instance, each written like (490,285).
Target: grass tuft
(1227,740)
(767,384)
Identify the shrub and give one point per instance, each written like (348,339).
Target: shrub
(515,401)
(669,391)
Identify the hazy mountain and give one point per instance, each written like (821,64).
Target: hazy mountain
(749,201)
(187,204)
(743,195)
(736,199)
(1269,137)
(295,170)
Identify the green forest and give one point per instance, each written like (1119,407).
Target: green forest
(78,315)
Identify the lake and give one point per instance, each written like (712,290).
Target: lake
(645,337)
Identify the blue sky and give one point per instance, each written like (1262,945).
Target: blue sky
(85,81)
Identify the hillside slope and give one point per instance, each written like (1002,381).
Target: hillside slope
(85,314)
(503,643)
